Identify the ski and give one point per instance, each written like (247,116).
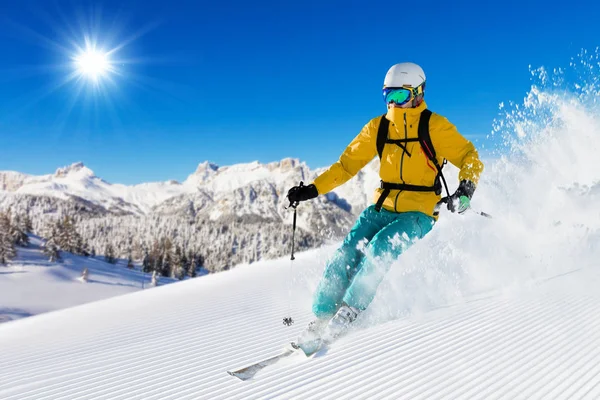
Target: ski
(249,371)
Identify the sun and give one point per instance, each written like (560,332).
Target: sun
(93,64)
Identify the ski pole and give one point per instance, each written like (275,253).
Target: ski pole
(444,200)
(483,214)
(288,321)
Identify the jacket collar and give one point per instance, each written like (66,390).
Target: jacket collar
(396,115)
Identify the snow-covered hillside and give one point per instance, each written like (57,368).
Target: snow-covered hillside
(31,284)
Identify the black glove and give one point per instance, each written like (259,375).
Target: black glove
(302,193)
(460,201)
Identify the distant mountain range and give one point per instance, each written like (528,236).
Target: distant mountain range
(248,197)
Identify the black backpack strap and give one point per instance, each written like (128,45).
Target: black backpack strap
(425,137)
(427,145)
(382,134)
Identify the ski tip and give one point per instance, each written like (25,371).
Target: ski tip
(241,377)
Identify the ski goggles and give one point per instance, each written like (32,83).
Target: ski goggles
(402,95)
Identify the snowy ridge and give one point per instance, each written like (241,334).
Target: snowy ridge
(78,180)
(236,190)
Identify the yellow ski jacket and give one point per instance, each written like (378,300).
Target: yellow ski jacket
(397,166)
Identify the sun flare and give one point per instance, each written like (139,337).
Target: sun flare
(92,64)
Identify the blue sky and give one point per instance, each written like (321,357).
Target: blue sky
(234,82)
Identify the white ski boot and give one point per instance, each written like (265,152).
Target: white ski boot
(310,339)
(340,323)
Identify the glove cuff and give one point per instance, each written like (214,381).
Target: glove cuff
(311,191)
(466,188)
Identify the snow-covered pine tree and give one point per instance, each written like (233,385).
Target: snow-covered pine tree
(7,245)
(129,261)
(167,257)
(18,232)
(109,254)
(177,269)
(51,250)
(185,265)
(146,262)
(137,252)
(27,225)
(192,266)
(68,237)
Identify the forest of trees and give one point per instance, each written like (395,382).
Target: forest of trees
(63,235)
(172,245)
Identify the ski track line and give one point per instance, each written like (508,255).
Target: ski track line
(412,378)
(452,353)
(588,394)
(67,342)
(332,355)
(592,371)
(106,343)
(467,373)
(467,391)
(556,391)
(418,356)
(418,351)
(366,352)
(120,371)
(408,327)
(528,355)
(242,388)
(464,372)
(181,372)
(135,350)
(115,369)
(549,373)
(592,387)
(404,375)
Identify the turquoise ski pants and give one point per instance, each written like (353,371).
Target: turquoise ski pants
(357,268)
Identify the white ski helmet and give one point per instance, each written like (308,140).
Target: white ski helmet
(404,74)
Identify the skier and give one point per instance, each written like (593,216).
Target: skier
(411,143)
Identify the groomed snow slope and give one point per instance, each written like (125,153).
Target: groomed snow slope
(177,341)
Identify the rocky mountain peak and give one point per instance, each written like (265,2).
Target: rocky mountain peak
(205,167)
(74,168)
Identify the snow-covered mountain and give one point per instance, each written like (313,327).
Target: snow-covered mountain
(79,182)
(241,189)
(239,210)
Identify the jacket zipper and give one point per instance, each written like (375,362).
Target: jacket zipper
(401,164)
(403,150)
